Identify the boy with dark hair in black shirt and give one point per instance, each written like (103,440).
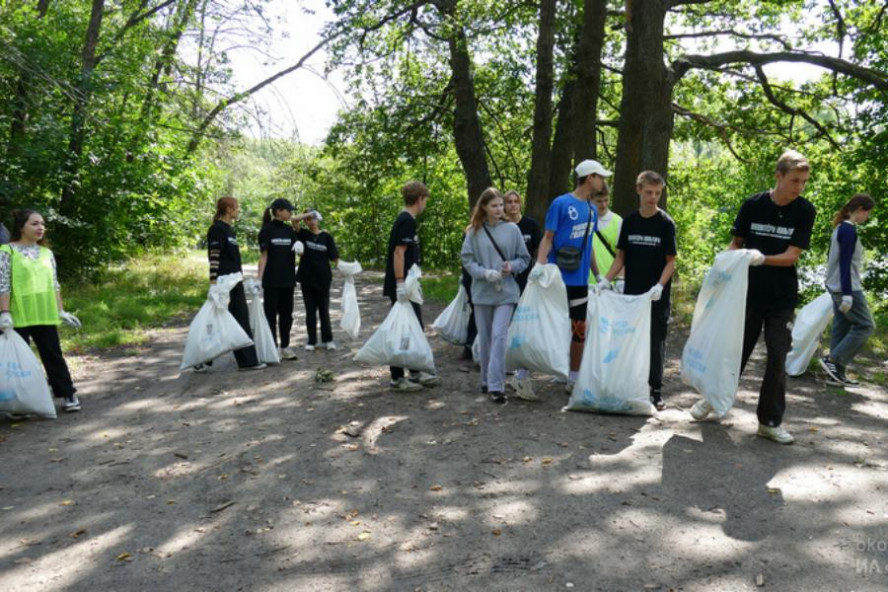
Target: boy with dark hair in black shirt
(403,252)
(647,249)
(778,224)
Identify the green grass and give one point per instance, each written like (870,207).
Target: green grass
(126,300)
(439,287)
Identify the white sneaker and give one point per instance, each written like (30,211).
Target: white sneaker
(424,378)
(405,385)
(309,347)
(287,353)
(72,404)
(258,366)
(777,434)
(523,389)
(701,409)
(329,345)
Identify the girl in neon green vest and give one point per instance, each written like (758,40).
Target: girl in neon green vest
(31,302)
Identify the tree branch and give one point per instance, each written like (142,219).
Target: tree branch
(134,19)
(769,92)
(721,128)
(716,61)
(732,32)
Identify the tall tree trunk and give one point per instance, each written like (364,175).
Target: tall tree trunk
(575,138)
(467,134)
(541,154)
(81,104)
(646,118)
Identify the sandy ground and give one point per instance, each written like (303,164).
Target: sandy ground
(269,481)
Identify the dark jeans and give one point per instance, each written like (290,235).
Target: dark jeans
(278,306)
(317,303)
(396,372)
(659,330)
(237,306)
(778,340)
(47,339)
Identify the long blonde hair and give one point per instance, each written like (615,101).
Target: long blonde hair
(478,213)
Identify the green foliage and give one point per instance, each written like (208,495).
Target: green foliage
(124,301)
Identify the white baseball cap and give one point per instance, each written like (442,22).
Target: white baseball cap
(591,167)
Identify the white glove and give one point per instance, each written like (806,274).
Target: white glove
(492,275)
(758,258)
(656,292)
(5,321)
(298,247)
(401,292)
(847,302)
(316,215)
(536,273)
(69,319)
(604,284)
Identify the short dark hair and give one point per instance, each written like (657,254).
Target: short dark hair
(413,191)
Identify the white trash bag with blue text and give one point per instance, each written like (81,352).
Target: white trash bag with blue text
(712,354)
(539,335)
(214,331)
(809,325)
(351,314)
(613,374)
(23,386)
(400,341)
(452,325)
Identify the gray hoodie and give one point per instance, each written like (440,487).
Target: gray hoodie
(478,255)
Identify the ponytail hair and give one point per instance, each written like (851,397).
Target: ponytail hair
(223,204)
(266,216)
(860,201)
(478,213)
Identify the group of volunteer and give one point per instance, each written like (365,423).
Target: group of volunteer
(585,299)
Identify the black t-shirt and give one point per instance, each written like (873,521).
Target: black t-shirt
(314,266)
(771,229)
(223,251)
(403,233)
(276,238)
(532,234)
(646,242)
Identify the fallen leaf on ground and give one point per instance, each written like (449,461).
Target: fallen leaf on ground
(527,459)
(124,556)
(547,461)
(435,488)
(66,503)
(496,532)
(364,536)
(77,533)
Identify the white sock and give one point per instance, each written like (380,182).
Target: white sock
(572,375)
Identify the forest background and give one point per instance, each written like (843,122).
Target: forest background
(124,120)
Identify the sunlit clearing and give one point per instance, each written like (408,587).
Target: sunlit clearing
(186,537)
(511,512)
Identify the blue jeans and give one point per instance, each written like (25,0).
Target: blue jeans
(849,330)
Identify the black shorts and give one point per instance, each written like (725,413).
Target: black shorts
(577,301)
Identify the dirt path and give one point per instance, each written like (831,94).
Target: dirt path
(269,481)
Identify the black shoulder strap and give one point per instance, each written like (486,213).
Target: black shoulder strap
(495,246)
(605,243)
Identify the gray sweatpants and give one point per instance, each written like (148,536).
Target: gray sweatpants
(493,327)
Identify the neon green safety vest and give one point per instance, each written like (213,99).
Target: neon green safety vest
(33,298)
(602,256)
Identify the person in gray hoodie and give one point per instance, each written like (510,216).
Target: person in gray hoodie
(493,253)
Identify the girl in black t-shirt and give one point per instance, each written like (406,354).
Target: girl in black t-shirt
(277,270)
(224,257)
(315,277)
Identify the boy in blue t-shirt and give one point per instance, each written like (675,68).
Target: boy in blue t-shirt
(571,222)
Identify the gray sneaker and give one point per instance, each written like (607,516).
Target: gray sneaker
(72,404)
(523,389)
(701,409)
(258,366)
(424,378)
(776,433)
(404,385)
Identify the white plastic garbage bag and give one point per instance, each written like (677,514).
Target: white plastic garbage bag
(539,335)
(711,358)
(399,340)
(266,350)
(613,374)
(452,325)
(351,314)
(23,386)
(806,331)
(214,331)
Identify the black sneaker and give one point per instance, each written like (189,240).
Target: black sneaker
(498,397)
(483,389)
(833,374)
(657,399)
(72,404)
(844,377)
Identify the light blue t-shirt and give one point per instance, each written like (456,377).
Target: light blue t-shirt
(567,219)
